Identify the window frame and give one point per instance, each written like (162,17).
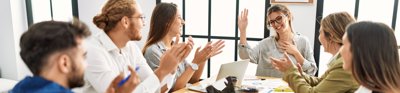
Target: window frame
(29,11)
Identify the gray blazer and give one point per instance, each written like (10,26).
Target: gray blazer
(268,47)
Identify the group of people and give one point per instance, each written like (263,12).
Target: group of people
(63,55)
(365,54)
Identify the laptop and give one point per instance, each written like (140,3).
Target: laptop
(237,68)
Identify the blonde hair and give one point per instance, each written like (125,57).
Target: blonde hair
(112,12)
(334,26)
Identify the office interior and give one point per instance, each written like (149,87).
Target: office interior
(205,20)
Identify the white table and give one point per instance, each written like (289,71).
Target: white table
(6,85)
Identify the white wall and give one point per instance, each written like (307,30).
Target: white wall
(7,50)
(20,25)
(13,24)
(88,9)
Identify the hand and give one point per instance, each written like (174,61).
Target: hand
(190,42)
(300,69)
(242,21)
(282,64)
(202,55)
(174,56)
(290,48)
(217,48)
(128,86)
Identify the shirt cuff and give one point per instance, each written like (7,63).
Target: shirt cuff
(150,85)
(308,68)
(243,45)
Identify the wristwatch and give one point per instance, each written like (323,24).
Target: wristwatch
(194,66)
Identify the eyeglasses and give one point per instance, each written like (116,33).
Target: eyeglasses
(141,17)
(277,20)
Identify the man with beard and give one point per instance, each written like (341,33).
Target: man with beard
(111,50)
(54,53)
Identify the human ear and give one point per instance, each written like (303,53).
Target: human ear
(125,22)
(64,63)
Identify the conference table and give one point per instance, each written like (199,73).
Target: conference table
(278,85)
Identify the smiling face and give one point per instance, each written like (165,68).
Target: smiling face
(279,21)
(176,25)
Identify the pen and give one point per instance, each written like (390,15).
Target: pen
(126,79)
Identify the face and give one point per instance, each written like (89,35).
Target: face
(78,64)
(346,53)
(279,21)
(136,24)
(176,26)
(322,39)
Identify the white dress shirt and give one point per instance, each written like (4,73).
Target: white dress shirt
(105,61)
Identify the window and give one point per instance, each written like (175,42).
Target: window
(41,10)
(196,17)
(223,18)
(397,32)
(368,11)
(62,10)
(205,24)
(256,17)
(332,6)
(44,10)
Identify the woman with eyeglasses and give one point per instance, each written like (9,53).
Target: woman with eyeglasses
(165,24)
(285,41)
(335,79)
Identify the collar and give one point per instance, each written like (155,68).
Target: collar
(335,57)
(38,84)
(106,41)
(161,46)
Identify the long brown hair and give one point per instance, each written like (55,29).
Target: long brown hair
(112,13)
(334,25)
(375,62)
(163,16)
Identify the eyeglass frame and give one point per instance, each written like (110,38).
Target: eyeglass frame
(141,17)
(276,21)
